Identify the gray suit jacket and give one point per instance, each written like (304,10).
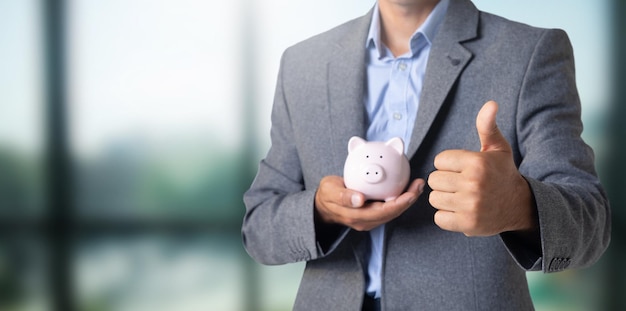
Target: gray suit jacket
(475,57)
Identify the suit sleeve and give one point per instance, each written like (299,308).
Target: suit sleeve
(572,209)
(279,224)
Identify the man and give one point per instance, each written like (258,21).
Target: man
(501,184)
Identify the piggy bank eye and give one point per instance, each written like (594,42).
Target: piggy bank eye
(381,156)
(367,157)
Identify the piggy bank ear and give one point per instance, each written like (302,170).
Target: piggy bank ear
(397,144)
(355,142)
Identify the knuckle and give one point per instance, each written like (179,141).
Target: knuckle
(438,159)
(473,185)
(432,178)
(475,177)
(443,220)
(358,226)
(342,198)
(479,168)
(433,199)
(438,219)
(479,162)
(476,184)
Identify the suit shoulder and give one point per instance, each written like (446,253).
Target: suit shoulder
(491,24)
(323,43)
(506,34)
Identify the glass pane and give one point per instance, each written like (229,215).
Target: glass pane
(156,108)
(23,281)
(280,24)
(279,285)
(21,125)
(161,272)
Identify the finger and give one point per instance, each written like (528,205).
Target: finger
(383,212)
(337,193)
(452,160)
(369,216)
(445,181)
(491,139)
(443,201)
(406,199)
(447,221)
(416,187)
(376,213)
(351,198)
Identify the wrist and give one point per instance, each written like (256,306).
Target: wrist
(527,219)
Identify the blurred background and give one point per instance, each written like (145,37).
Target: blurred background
(129,130)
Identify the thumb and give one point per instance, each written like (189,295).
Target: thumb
(490,137)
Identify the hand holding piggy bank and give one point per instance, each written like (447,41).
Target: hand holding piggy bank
(379,170)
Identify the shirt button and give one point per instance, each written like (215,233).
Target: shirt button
(402,66)
(397,116)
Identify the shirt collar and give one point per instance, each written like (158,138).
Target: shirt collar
(428,29)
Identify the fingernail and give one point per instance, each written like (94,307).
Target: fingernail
(421,187)
(356,200)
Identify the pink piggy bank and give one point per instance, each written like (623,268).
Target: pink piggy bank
(379,170)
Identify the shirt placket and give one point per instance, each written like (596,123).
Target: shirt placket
(397,110)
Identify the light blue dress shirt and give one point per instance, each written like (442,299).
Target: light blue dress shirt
(394,85)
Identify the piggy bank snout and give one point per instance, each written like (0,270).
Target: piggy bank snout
(372,173)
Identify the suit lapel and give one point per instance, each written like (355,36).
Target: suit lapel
(447,60)
(346,87)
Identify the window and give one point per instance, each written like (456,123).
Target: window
(129,130)
(23,255)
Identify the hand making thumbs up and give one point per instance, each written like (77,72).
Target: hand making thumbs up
(481,193)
